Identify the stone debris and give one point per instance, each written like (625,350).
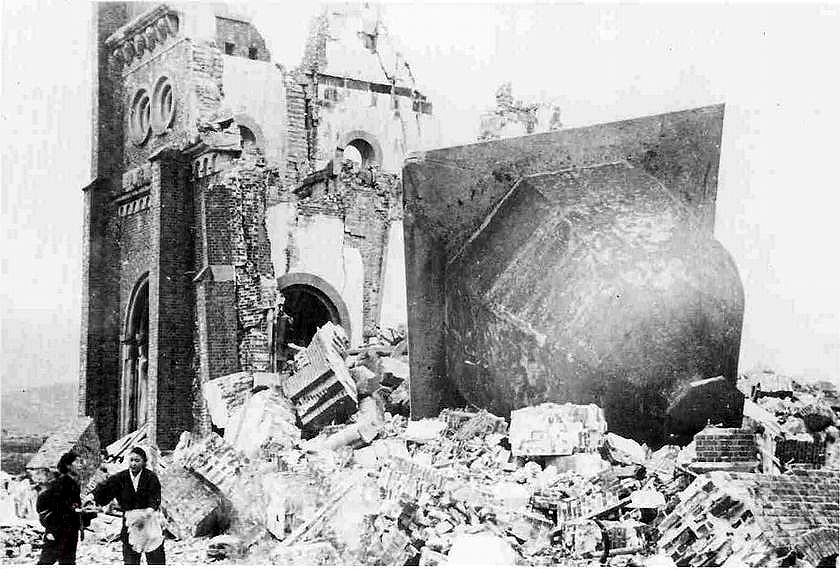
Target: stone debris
(552,429)
(554,487)
(225,394)
(116,451)
(190,506)
(224,547)
(623,451)
(78,436)
(749,519)
(264,418)
(322,389)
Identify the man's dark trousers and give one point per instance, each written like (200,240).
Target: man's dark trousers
(61,549)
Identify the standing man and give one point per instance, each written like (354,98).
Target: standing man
(136,488)
(59,512)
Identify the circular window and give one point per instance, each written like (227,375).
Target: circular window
(163,105)
(139,117)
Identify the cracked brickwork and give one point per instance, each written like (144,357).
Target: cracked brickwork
(185,205)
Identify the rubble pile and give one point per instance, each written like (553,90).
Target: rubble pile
(317,468)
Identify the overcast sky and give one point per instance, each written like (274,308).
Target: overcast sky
(775,67)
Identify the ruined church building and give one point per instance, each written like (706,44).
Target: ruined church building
(221,180)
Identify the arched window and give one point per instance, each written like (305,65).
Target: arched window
(139,112)
(134,399)
(162,106)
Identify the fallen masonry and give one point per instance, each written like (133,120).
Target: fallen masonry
(78,436)
(552,487)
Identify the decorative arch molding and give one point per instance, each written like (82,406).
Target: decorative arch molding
(132,314)
(352,135)
(135,405)
(246,120)
(325,288)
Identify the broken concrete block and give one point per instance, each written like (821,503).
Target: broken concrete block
(430,557)
(322,389)
(585,463)
(760,417)
(551,429)
(481,549)
(79,436)
(190,507)
(264,416)
(392,372)
(650,499)
(424,430)
(623,451)
(663,463)
(366,380)
(794,427)
(212,459)
(225,394)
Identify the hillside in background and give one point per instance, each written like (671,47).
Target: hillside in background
(37,410)
(28,415)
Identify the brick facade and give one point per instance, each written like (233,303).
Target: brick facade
(185,206)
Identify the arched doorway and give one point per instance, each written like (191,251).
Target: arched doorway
(309,303)
(134,392)
(360,147)
(308,309)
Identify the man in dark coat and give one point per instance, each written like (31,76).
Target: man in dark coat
(136,488)
(58,511)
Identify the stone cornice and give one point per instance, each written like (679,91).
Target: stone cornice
(144,33)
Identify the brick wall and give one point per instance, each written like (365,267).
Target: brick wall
(206,66)
(170,294)
(106,134)
(174,64)
(243,36)
(296,151)
(99,366)
(801,452)
(726,445)
(216,318)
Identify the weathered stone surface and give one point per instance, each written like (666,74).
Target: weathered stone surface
(225,394)
(190,507)
(322,389)
(211,458)
(573,266)
(265,416)
(366,381)
(555,430)
(623,451)
(78,436)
